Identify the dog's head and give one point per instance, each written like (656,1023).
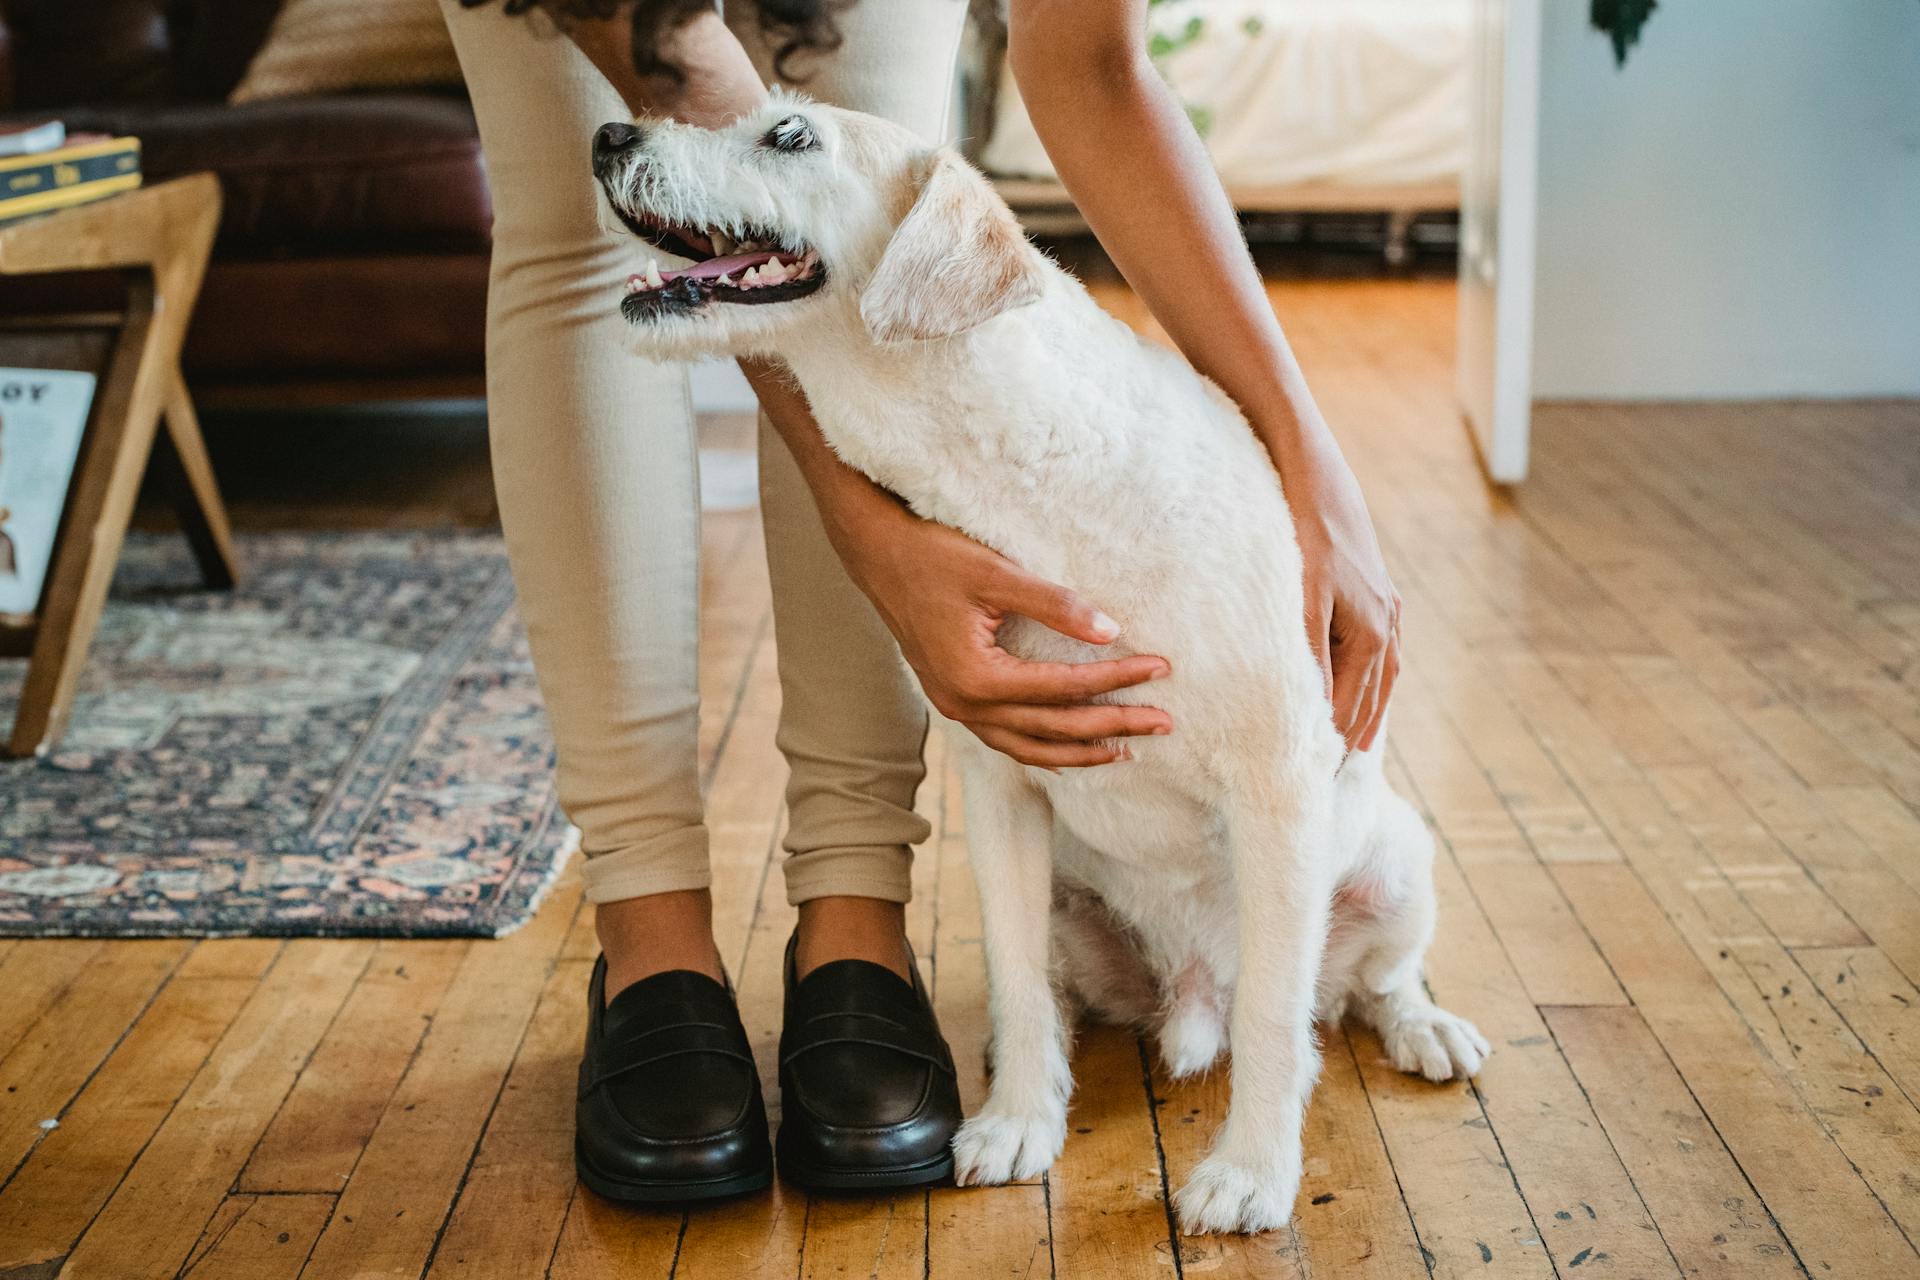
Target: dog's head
(806,215)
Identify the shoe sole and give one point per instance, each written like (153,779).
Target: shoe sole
(918,1175)
(672,1192)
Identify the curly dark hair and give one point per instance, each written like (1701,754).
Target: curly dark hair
(791,26)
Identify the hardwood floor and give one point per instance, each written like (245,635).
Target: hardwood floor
(1661,708)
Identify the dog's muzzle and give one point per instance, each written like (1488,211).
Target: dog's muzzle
(738,264)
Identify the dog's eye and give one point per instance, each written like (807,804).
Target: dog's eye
(791,134)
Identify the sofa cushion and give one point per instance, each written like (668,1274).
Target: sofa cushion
(60,52)
(328,46)
(331,319)
(304,176)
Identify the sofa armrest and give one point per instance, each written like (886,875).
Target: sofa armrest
(6,61)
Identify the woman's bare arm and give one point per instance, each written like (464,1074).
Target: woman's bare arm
(1124,148)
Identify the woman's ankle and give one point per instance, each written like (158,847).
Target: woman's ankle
(644,936)
(849,928)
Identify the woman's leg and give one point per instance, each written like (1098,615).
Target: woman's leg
(595,463)
(852,721)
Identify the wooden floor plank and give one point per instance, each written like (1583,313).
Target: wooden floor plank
(880,1237)
(1350,1218)
(1708,1213)
(76,1167)
(1827,1213)
(57,1055)
(259,1238)
(1551,1146)
(1108,1211)
(1552,955)
(34,976)
(1845,1087)
(517,1193)
(1877,1002)
(989,1233)
(154,1217)
(605,1241)
(325,1123)
(407,1179)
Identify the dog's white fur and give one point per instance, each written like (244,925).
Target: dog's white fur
(1234,879)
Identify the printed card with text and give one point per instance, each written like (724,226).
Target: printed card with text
(43,414)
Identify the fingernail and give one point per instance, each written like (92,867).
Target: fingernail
(1161,673)
(1162,730)
(1104,627)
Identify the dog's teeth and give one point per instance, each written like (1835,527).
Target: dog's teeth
(721,245)
(725,278)
(635,284)
(752,276)
(653,274)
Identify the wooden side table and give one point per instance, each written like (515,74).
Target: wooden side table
(162,236)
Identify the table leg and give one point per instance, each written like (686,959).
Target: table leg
(106,482)
(203,515)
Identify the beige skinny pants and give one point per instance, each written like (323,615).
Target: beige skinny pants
(595,464)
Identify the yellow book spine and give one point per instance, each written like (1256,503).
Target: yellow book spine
(61,197)
(68,155)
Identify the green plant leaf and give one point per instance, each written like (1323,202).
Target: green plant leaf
(1621,20)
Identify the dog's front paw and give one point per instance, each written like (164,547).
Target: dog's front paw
(1223,1195)
(1436,1044)
(991,1148)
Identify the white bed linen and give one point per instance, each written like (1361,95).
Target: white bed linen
(1349,92)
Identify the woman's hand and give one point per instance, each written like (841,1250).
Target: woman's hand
(1353,612)
(945,597)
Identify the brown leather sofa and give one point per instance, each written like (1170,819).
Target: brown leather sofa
(352,258)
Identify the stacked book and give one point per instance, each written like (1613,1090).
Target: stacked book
(43,167)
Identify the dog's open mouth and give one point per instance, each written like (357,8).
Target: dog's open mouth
(752,266)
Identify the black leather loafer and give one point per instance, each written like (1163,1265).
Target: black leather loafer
(669,1106)
(868,1095)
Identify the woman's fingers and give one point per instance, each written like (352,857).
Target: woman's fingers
(1353,674)
(1320,637)
(1015,680)
(1046,754)
(1049,604)
(1082,724)
(1389,674)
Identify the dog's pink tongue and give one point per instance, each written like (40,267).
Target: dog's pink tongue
(714,268)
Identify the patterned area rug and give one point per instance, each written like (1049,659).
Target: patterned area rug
(351,743)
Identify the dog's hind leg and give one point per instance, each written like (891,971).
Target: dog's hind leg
(1193,1034)
(1420,1037)
(1020,1129)
(1099,961)
(1280,831)
(1391,919)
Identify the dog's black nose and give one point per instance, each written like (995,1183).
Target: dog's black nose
(612,139)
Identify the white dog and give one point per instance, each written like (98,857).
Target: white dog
(1236,878)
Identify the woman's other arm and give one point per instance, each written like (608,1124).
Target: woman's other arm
(1124,149)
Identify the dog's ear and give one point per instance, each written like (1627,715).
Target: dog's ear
(957,260)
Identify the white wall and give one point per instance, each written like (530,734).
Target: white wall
(1737,212)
